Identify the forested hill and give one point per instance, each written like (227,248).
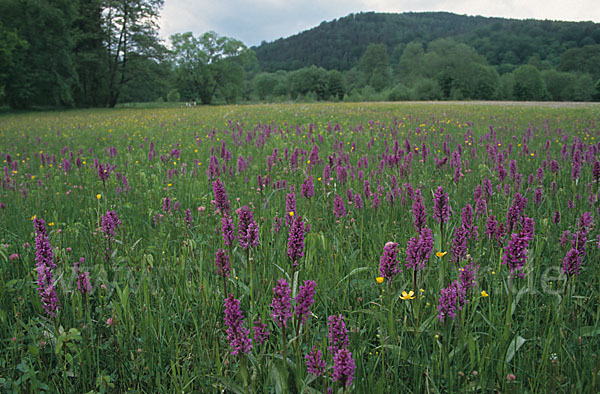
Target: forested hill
(339,44)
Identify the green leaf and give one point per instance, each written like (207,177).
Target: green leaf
(276,376)
(589,331)
(59,343)
(365,311)
(4,254)
(236,388)
(471,346)
(515,345)
(74,334)
(353,272)
(33,350)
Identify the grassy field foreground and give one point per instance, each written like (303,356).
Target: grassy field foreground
(299,248)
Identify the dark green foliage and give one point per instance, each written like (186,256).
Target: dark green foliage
(265,84)
(560,85)
(131,30)
(426,89)
(12,54)
(209,64)
(529,85)
(586,59)
(42,70)
(339,44)
(173,96)
(309,80)
(91,53)
(460,72)
(85,52)
(399,93)
(374,65)
(335,85)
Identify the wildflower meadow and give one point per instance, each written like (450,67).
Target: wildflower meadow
(301,248)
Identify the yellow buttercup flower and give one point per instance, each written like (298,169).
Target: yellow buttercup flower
(440,254)
(291,213)
(407,296)
(484,293)
(33,217)
(98,196)
(379,279)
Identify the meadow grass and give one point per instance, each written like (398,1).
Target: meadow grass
(154,319)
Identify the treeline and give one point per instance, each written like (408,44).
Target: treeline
(67,53)
(90,53)
(436,56)
(442,70)
(339,44)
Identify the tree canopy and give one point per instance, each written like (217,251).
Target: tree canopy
(66,53)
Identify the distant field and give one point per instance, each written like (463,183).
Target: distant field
(454,248)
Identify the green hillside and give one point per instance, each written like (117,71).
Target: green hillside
(340,43)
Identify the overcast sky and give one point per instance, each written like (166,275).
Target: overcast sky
(253,21)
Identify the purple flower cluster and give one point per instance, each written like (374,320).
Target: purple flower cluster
(480,207)
(574,258)
(260,332)
(338,333)
(221,201)
(388,264)
(237,334)
(419,249)
(358,201)
(596,171)
(290,207)
(338,206)
(515,254)
(103,171)
(495,230)
(452,298)
(305,299)
(528,228)
(459,244)
(44,257)
(467,275)
(308,187)
(314,362)
(189,220)
(467,221)
(83,278)
(576,167)
(166,206)
(222,263)
(515,211)
(343,367)
(296,241)
(537,197)
(572,263)
(441,208)
(110,223)
(419,212)
(247,228)
(281,307)
(227,230)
